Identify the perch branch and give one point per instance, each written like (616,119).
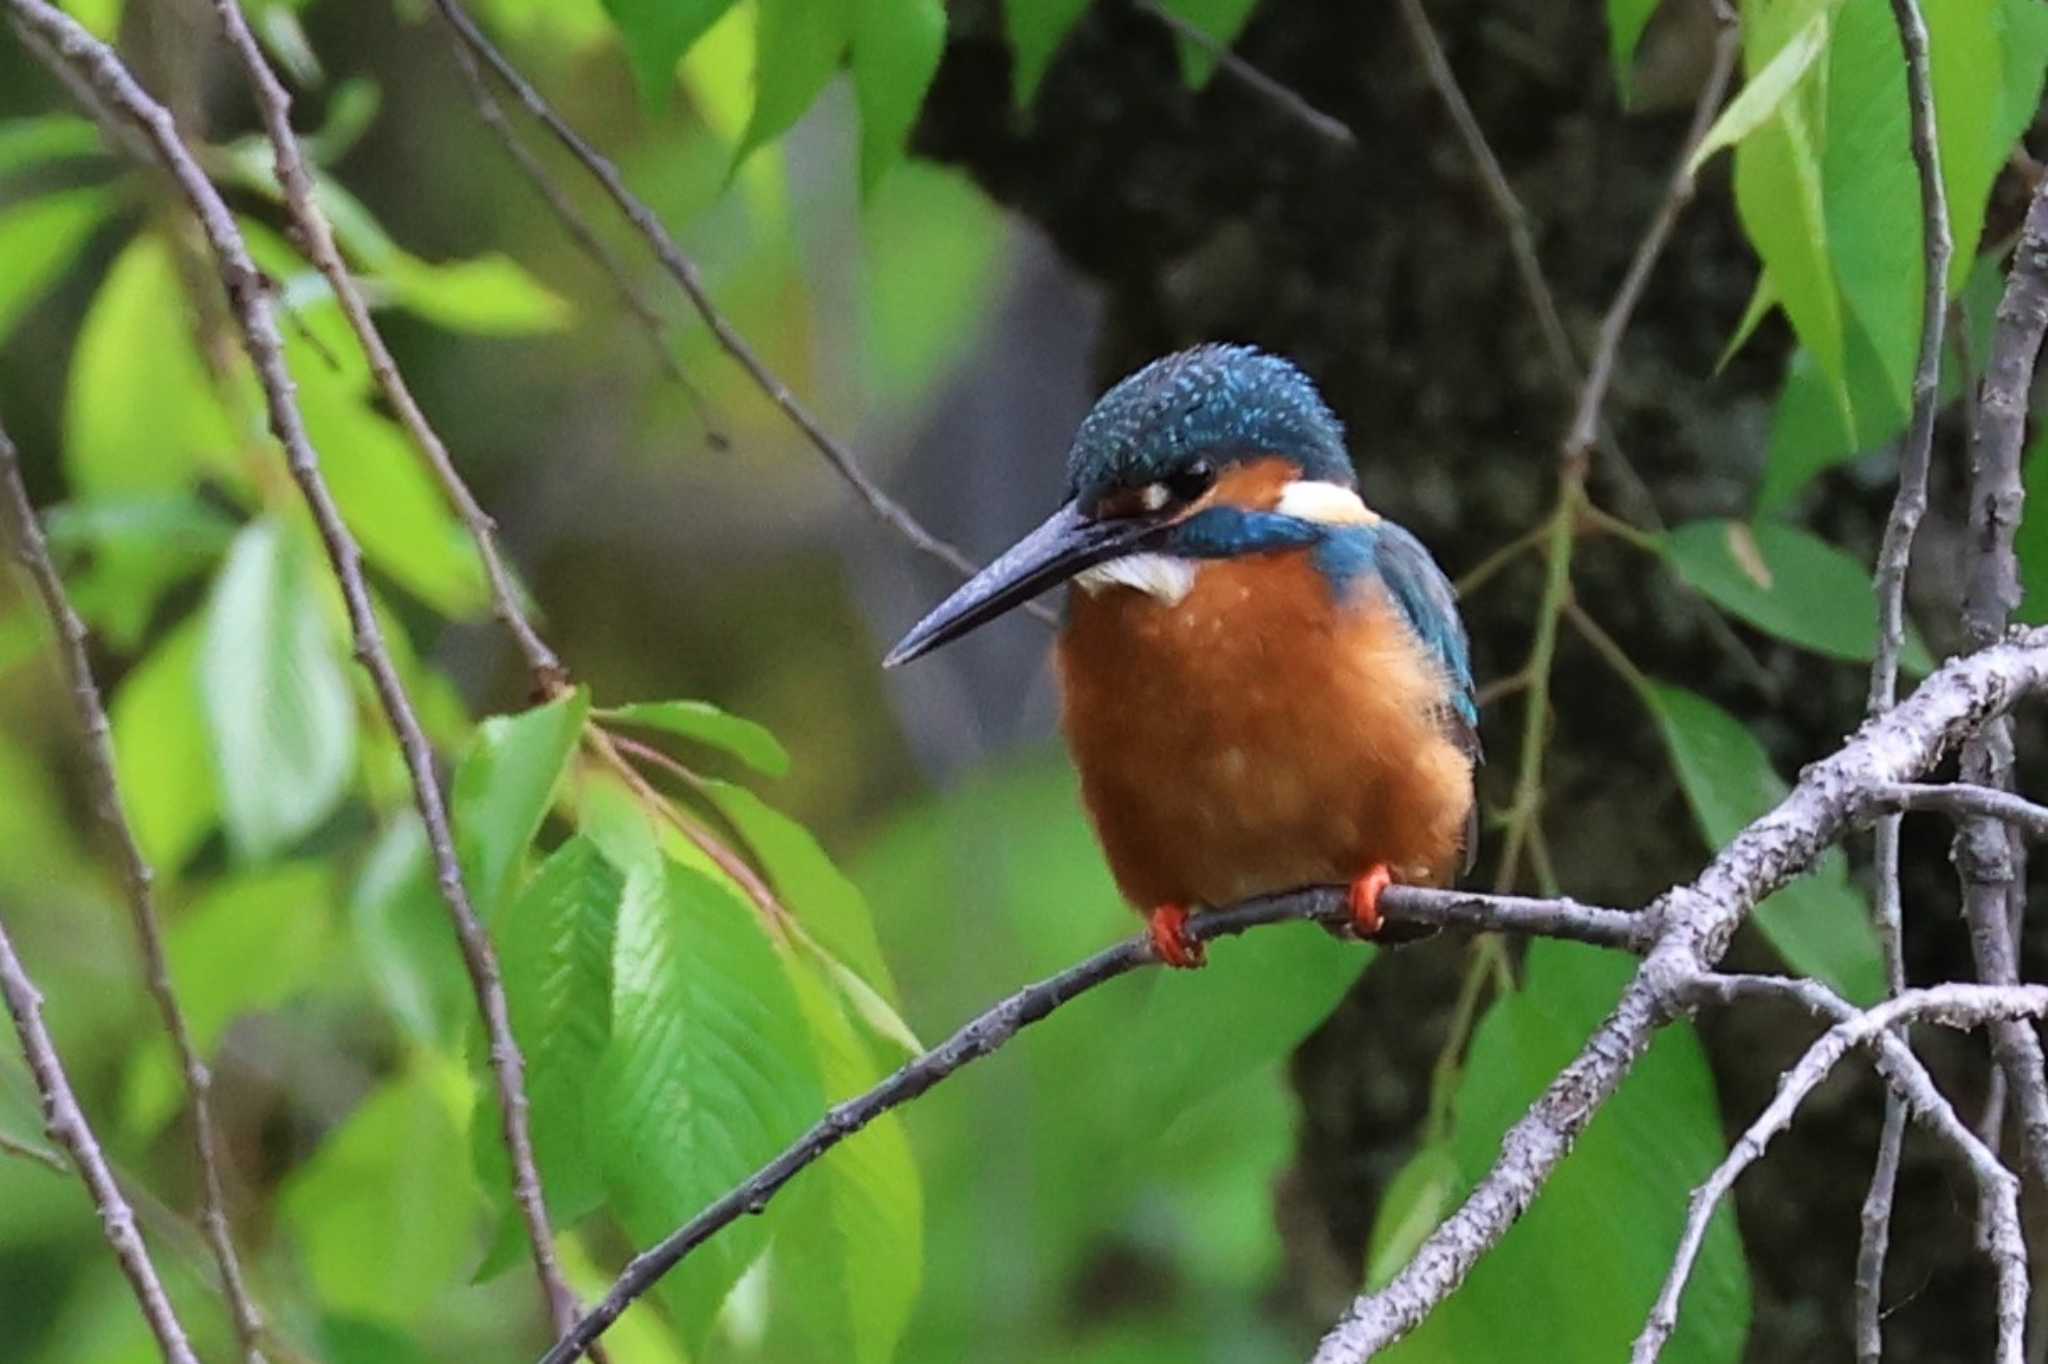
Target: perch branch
(66,1124)
(1955,1005)
(684,272)
(138,880)
(249,298)
(1403,906)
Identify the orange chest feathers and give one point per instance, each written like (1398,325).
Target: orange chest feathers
(1257,735)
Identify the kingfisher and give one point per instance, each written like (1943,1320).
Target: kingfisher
(1264,683)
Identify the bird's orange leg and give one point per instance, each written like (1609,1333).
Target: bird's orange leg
(1168,925)
(1365,900)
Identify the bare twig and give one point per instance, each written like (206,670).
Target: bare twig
(1281,96)
(684,272)
(36,1155)
(1696,922)
(1894,555)
(139,881)
(250,301)
(1960,800)
(66,1124)
(1403,906)
(1956,1005)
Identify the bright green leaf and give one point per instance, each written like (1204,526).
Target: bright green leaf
(488,295)
(1766,94)
(504,788)
(279,916)
(168,781)
(1575,1276)
(710,1073)
(1819,923)
(2025,32)
(1965,41)
(798,45)
(1414,1201)
(39,239)
(278,706)
(656,34)
(896,48)
(1786,582)
(123,554)
(933,254)
(1036,29)
(26,143)
(393,1177)
(1626,20)
(404,937)
(1761,300)
(1220,20)
(753,744)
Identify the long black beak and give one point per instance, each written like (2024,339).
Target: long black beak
(1066,544)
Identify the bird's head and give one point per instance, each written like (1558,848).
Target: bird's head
(1150,474)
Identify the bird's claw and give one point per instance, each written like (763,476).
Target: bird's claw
(1171,941)
(1366,922)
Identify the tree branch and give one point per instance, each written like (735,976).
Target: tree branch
(139,881)
(1955,1005)
(66,1124)
(249,298)
(1281,96)
(684,272)
(1960,800)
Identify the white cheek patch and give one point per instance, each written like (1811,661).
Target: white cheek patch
(1330,504)
(1163,577)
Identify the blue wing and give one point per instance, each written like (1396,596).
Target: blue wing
(1427,600)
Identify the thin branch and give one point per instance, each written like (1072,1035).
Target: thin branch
(1403,907)
(1955,1005)
(139,881)
(684,272)
(1894,556)
(1281,96)
(249,298)
(66,1124)
(1696,922)
(36,1155)
(1960,800)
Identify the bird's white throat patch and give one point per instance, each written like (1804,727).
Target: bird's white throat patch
(1166,578)
(1332,504)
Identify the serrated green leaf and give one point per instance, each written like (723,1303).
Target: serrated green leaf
(555,949)
(1220,20)
(1786,582)
(1036,28)
(656,34)
(168,781)
(278,708)
(753,744)
(124,437)
(1626,20)
(39,239)
(1411,1205)
(709,1074)
(1575,1276)
(896,49)
(393,1177)
(1766,94)
(26,143)
(797,47)
(504,788)
(1819,923)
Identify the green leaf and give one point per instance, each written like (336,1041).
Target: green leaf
(2030,541)
(404,939)
(2025,28)
(1221,20)
(555,949)
(896,48)
(710,1073)
(1819,923)
(1764,97)
(932,252)
(504,788)
(1626,20)
(1414,1201)
(849,1234)
(1036,29)
(168,779)
(1786,582)
(1575,1276)
(797,47)
(39,239)
(656,34)
(487,295)
(123,554)
(26,143)
(753,744)
(127,437)
(278,707)
(384,1215)
(1819,423)
(1965,42)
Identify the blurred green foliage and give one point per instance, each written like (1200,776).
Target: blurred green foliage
(691,975)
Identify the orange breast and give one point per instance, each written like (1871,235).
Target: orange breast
(1255,736)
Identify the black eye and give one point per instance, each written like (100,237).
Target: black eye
(1191,482)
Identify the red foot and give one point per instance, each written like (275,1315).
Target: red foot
(1171,941)
(1365,900)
